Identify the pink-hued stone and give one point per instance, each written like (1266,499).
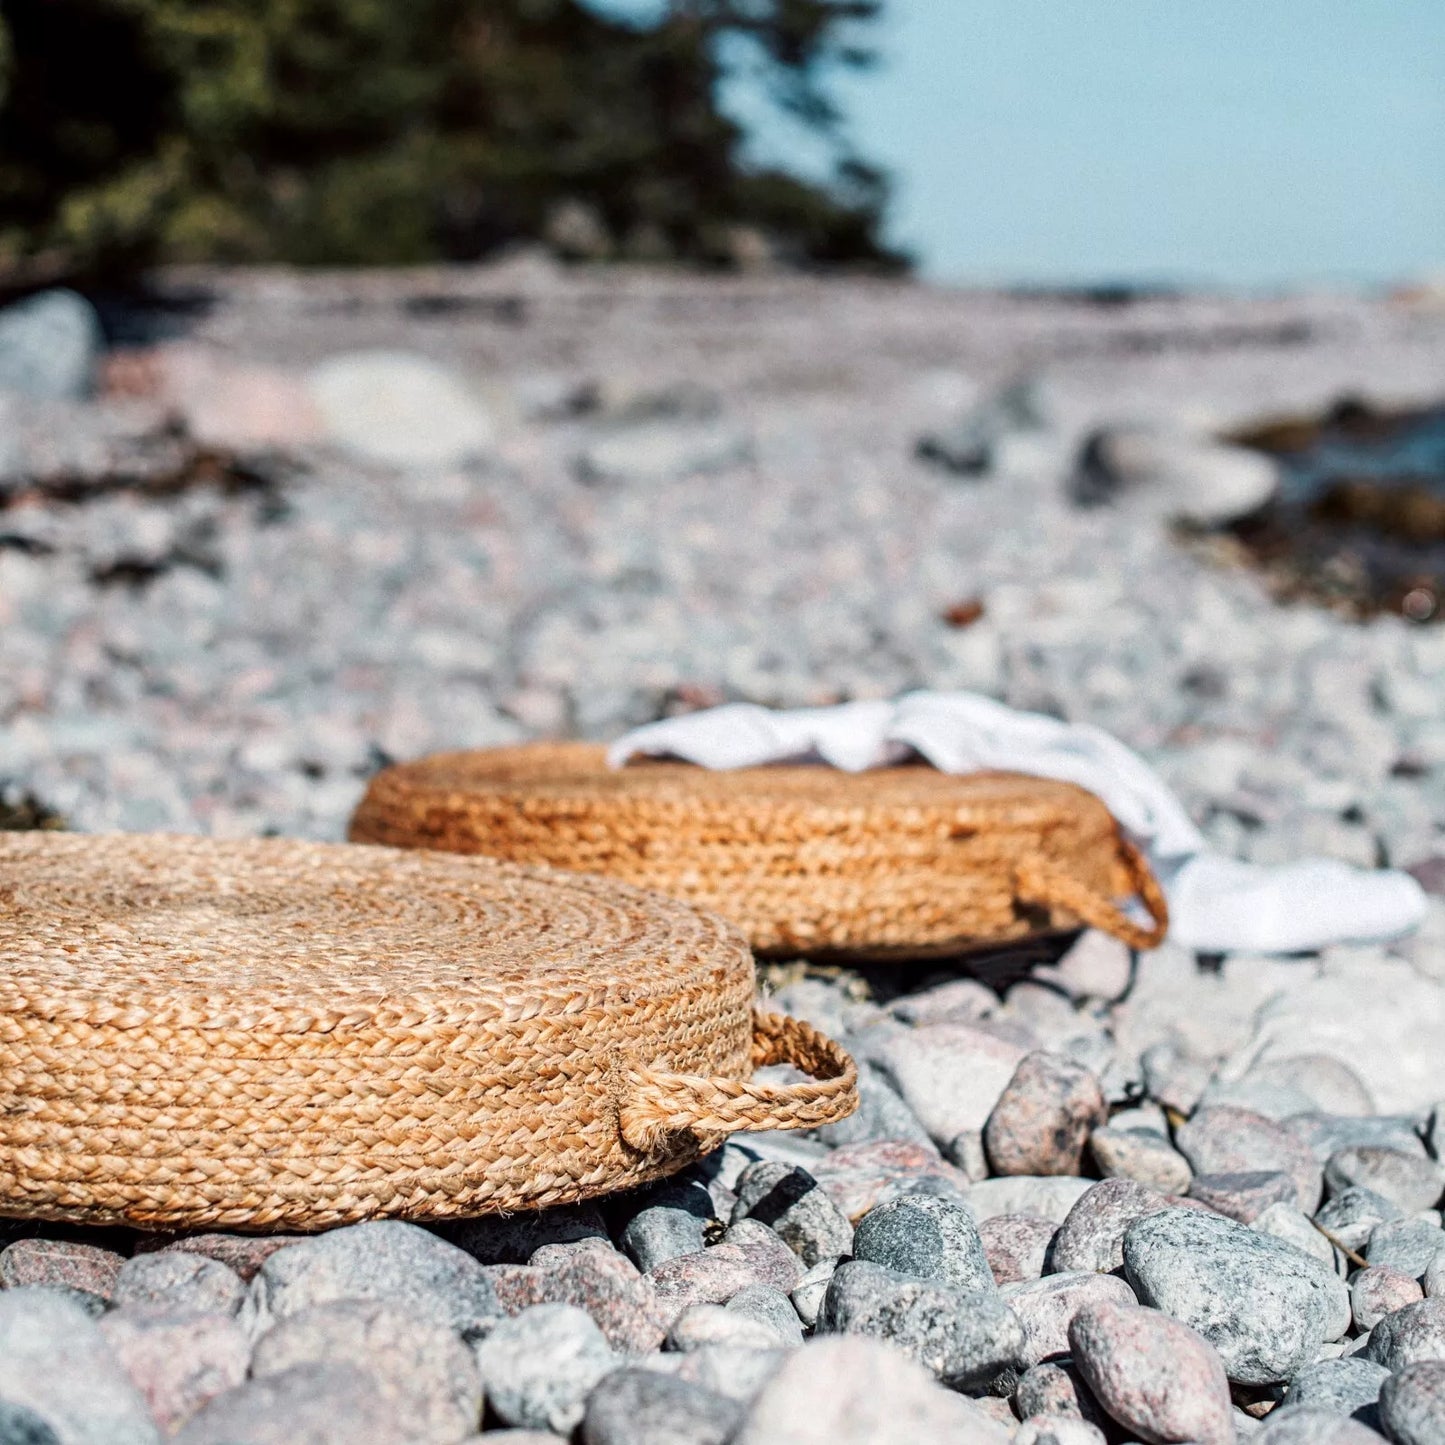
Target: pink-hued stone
(1046,1308)
(244,1253)
(1016,1245)
(1092,1237)
(59,1262)
(1154,1375)
(1380,1291)
(1222,1139)
(177,1362)
(1044,1117)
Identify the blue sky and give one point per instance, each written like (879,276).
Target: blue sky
(1224,142)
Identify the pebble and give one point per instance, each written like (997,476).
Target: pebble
(57,1365)
(775,1263)
(950,1075)
(966,1339)
(788,1200)
(1416,1332)
(1332,1084)
(1404,1179)
(184,1283)
(1434,1279)
(400,410)
(59,1262)
(49,346)
(514,1437)
(1380,1291)
(234,406)
(1154,1375)
(1266,1307)
(1058,1430)
(858,1391)
(1056,1387)
(926,1236)
(1141,1155)
(997,1406)
(710,1277)
(1244,1197)
(538,1368)
(780,1146)
(809,1292)
(973,444)
(320,1403)
(1091,1238)
(1286,1223)
(1046,1307)
(421,1367)
(515,1238)
(957,1000)
(1044,1117)
(736,1373)
(1174,1077)
(1343,1387)
(700,1325)
(771,1308)
(1227,1140)
(1408,1245)
(1260,1096)
(749,1253)
(642,1407)
(1016,1245)
(1412,1404)
(382,1259)
(594,1277)
(1353,1215)
(1047,1196)
(858,1177)
(670,1226)
(1185,477)
(1327,1134)
(177,1361)
(881,1114)
(1302,1425)
(243,1253)
(967,1152)
(1098,966)
(662,451)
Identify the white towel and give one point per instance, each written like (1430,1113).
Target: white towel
(1216,904)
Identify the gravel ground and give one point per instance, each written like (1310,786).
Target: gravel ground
(1151,1199)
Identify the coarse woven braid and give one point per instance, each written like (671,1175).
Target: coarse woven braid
(661,1105)
(897,862)
(274,1034)
(1040,881)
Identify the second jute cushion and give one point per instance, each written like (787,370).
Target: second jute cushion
(900,861)
(296,1035)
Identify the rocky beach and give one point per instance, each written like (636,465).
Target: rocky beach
(262,532)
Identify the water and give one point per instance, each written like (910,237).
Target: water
(1359,522)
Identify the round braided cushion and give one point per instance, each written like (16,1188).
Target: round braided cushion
(897,861)
(284,1034)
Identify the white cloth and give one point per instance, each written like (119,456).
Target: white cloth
(1216,904)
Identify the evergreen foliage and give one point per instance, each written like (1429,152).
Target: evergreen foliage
(373,132)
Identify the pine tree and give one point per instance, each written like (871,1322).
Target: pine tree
(364,131)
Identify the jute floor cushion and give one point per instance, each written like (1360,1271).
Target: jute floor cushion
(894,862)
(283,1034)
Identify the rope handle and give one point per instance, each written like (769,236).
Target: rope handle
(661,1105)
(1040,881)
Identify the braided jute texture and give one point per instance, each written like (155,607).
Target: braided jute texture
(273,1034)
(896,862)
